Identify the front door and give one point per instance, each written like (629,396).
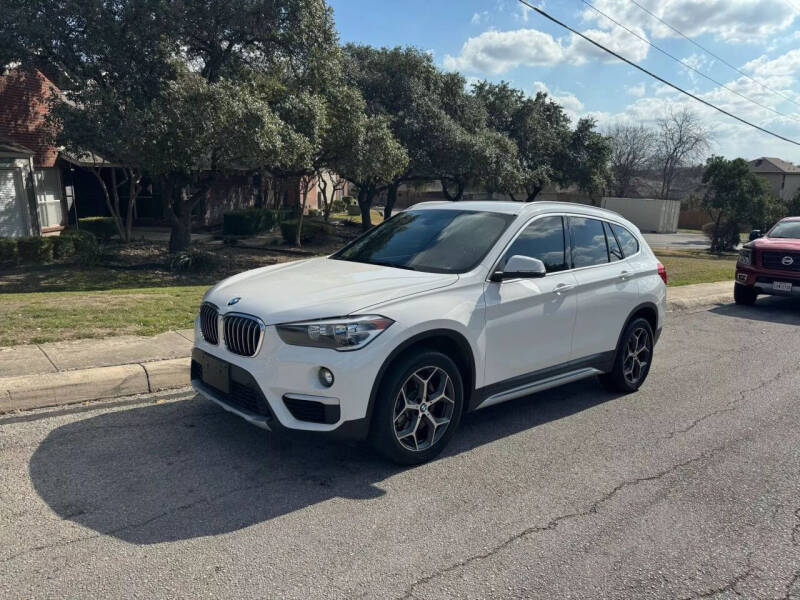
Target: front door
(529,322)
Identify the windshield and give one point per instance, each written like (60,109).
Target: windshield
(436,241)
(786,229)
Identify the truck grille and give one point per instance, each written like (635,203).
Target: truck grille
(208,323)
(774,260)
(242,334)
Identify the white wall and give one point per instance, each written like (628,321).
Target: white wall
(650,215)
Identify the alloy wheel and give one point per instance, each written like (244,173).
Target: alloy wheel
(423,408)
(638,351)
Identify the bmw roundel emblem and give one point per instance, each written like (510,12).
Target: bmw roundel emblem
(233,301)
(787,261)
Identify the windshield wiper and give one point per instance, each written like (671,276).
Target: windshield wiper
(388,264)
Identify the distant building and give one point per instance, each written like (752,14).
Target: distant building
(782,176)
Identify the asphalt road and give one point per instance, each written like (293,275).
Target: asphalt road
(677,241)
(689,488)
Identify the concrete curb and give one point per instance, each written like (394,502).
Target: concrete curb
(702,302)
(69,387)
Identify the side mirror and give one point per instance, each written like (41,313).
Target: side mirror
(755,234)
(519,266)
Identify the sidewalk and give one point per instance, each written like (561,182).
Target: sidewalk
(60,373)
(57,373)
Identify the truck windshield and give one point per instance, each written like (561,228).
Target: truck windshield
(786,229)
(435,241)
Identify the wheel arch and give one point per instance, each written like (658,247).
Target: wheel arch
(442,340)
(645,310)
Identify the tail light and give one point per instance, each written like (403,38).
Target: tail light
(662,272)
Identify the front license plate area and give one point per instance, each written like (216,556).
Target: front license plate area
(782,286)
(216,373)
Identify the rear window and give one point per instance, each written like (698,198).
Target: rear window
(630,245)
(588,242)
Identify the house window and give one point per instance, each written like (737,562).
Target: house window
(49,197)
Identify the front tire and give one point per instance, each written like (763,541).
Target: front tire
(418,408)
(744,295)
(633,360)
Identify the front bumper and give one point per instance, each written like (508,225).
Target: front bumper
(762,280)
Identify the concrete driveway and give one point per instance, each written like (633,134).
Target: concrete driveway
(688,488)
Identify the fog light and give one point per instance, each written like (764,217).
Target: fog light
(325,377)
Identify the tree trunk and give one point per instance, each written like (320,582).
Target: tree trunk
(133,193)
(391,200)
(305,184)
(533,193)
(365,198)
(107,195)
(179,214)
(459,190)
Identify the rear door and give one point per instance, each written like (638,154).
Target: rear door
(529,322)
(606,292)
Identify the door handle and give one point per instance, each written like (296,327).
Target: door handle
(563,287)
(625,275)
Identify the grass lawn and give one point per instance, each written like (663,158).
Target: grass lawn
(34,318)
(377,217)
(685,267)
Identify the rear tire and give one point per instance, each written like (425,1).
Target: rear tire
(633,360)
(418,408)
(744,295)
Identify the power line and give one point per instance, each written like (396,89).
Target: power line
(710,53)
(653,75)
(688,66)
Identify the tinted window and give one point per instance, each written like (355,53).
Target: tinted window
(588,242)
(542,239)
(439,241)
(614,251)
(630,245)
(786,229)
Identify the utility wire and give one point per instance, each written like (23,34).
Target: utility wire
(653,75)
(688,66)
(719,58)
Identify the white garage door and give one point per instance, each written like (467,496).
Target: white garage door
(12,198)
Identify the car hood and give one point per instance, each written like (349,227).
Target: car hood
(776,244)
(318,288)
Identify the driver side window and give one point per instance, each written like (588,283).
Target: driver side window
(542,239)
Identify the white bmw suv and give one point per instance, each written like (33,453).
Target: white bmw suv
(443,309)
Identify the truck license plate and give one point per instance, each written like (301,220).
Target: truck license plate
(782,286)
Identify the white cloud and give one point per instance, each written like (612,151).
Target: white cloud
(637,91)
(569,101)
(498,51)
(745,21)
(479,17)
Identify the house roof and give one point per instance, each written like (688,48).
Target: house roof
(86,159)
(9,147)
(768,164)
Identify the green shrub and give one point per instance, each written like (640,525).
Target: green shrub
(348,200)
(35,249)
(63,246)
(87,249)
(724,239)
(8,250)
(193,260)
(103,228)
(311,230)
(251,221)
(353,210)
(313,212)
(338,206)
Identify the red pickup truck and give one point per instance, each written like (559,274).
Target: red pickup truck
(770,264)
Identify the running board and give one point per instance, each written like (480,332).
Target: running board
(538,386)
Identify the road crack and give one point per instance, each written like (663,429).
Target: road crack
(553,523)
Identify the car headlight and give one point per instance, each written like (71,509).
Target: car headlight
(746,256)
(345,333)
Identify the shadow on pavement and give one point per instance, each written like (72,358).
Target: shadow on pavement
(770,309)
(187,469)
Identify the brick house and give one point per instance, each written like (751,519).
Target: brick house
(23,129)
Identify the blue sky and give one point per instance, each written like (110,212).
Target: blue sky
(502,40)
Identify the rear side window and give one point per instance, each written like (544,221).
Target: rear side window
(614,251)
(588,242)
(630,245)
(542,239)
